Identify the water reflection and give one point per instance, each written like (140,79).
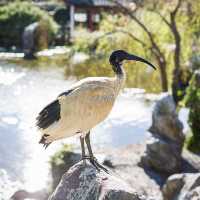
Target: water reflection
(23,93)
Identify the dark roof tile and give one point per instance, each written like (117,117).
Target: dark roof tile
(90,2)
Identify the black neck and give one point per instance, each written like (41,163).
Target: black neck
(118,68)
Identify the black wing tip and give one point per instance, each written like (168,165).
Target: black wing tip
(51,113)
(46,145)
(43,141)
(48,115)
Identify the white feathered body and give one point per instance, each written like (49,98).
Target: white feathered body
(89,102)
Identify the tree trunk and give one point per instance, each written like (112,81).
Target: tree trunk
(156,50)
(176,82)
(163,75)
(177,39)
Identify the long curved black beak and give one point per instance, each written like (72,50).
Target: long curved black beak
(136,58)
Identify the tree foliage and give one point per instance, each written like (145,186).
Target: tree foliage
(98,64)
(166,33)
(14,17)
(192,100)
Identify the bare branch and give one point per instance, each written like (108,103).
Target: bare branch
(151,48)
(132,36)
(121,31)
(128,12)
(155,49)
(177,7)
(163,18)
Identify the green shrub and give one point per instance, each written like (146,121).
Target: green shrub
(85,41)
(14,17)
(61,16)
(180,84)
(195,61)
(192,101)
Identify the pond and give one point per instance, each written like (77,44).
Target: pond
(24,92)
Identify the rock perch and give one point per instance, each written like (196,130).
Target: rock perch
(84,182)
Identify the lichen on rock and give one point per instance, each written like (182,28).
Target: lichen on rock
(84,182)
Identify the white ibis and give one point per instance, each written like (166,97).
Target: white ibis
(84,105)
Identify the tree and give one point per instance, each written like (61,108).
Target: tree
(172,24)
(14,17)
(192,100)
(155,6)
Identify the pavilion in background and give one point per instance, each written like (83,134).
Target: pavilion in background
(87,12)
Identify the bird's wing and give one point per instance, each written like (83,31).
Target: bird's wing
(51,113)
(84,92)
(78,109)
(89,90)
(86,100)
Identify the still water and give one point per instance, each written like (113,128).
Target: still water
(23,93)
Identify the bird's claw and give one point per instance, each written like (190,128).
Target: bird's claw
(94,162)
(97,165)
(85,157)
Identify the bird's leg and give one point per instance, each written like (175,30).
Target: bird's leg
(93,160)
(87,140)
(83,149)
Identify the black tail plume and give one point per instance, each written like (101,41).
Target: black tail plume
(43,141)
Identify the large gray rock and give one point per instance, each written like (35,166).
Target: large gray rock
(28,38)
(164,148)
(173,186)
(162,156)
(165,122)
(61,162)
(182,187)
(84,182)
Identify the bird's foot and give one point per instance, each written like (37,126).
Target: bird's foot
(94,162)
(97,165)
(84,158)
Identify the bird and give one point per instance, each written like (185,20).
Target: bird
(84,105)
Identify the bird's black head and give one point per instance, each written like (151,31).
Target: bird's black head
(118,56)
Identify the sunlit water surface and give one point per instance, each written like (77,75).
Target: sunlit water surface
(24,92)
